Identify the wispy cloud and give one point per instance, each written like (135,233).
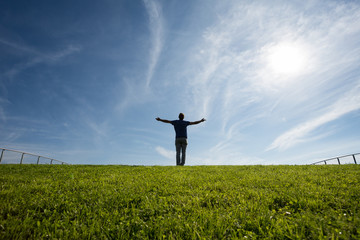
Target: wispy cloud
(38,58)
(19,47)
(349,103)
(3,102)
(139,91)
(165,152)
(156,31)
(234,86)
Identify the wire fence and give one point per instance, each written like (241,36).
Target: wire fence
(9,156)
(346,159)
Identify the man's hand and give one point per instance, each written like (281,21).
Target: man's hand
(197,122)
(163,120)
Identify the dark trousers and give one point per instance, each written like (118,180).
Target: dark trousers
(181,144)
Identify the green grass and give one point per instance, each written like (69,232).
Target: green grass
(191,202)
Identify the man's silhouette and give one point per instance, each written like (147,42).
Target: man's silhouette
(181,136)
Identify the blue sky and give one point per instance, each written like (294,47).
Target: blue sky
(83,81)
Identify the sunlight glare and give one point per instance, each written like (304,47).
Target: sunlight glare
(287,58)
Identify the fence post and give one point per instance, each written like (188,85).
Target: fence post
(338,160)
(38,160)
(1,155)
(354,159)
(22,157)
(325,162)
(51,161)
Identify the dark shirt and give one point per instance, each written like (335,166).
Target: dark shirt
(180,128)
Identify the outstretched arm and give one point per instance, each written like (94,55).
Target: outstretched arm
(163,120)
(197,122)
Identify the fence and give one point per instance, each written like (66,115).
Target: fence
(346,159)
(14,156)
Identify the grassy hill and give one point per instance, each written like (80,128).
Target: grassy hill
(191,202)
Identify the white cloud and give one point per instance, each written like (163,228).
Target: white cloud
(232,83)
(40,58)
(165,152)
(139,91)
(19,47)
(156,30)
(349,103)
(3,102)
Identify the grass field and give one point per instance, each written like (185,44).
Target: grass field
(191,202)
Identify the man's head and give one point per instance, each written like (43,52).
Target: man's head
(181,116)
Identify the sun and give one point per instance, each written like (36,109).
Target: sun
(287,58)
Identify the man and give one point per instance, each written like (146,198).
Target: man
(180,127)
